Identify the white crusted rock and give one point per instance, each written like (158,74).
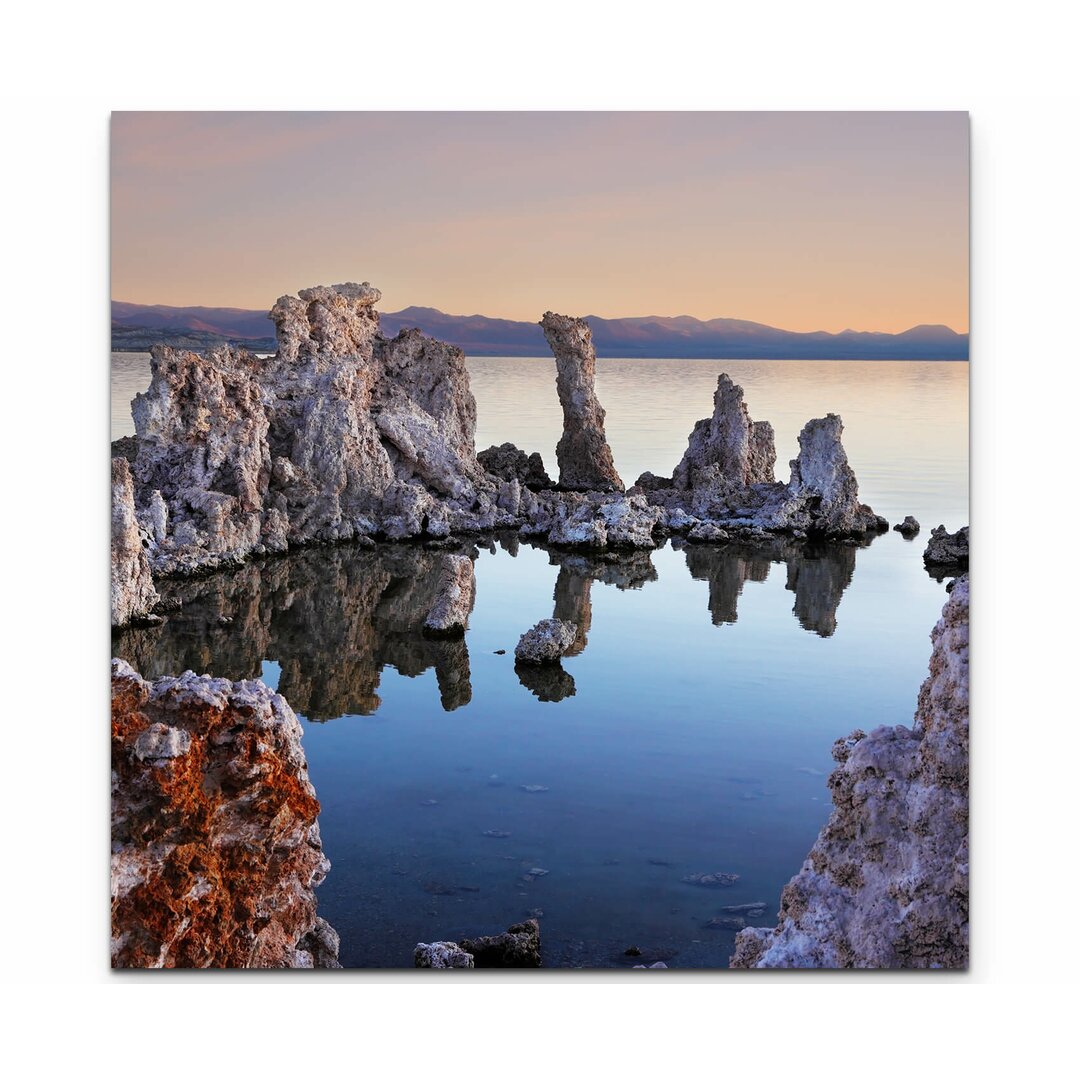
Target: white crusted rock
(340,434)
(546,642)
(441,954)
(742,450)
(132,592)
(886,883)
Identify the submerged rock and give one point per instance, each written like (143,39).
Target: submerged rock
(946,549)
(518,947)
(908,528)
(585,461)
(886,883)
(132,592)
(441,954)
(717,880)
(215,839)
(726,922)
(546,642)
(752,910)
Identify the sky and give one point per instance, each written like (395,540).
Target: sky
(804,221)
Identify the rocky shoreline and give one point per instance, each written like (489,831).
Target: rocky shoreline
(886,883)
(344,434)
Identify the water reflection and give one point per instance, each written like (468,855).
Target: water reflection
(334,618)
(573,603)
(816,574)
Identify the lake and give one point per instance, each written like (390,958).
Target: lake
(690,732)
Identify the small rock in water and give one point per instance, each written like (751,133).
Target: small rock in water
(726,922)
(496,834)
(519,946)
(752,911)
(438,888)
(632,951)
(534,789)
(908,528)
(500,652)
(441,954)
(546,641)
(712,881)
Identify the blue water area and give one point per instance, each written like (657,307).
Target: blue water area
(689,734)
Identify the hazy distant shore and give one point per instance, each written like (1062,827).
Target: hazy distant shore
(137,327)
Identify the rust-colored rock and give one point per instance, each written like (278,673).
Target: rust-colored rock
(215,835)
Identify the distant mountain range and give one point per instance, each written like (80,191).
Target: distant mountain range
(135,327)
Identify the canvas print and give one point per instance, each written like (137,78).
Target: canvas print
(539,540)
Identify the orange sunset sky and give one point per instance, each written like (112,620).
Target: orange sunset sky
(805,221)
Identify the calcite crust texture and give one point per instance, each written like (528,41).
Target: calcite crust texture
(886,883)
(585,461)
(216,850)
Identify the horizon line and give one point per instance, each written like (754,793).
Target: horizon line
(606,318)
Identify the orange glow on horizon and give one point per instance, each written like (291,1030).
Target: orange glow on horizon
(802,221)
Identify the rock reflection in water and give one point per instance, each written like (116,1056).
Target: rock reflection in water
(573,603)
(549,682)
(331,618)
(816,574)
(577,572)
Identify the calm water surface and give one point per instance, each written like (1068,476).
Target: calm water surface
(689,734)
